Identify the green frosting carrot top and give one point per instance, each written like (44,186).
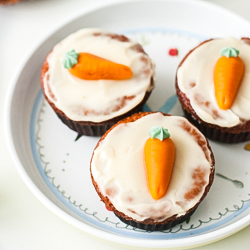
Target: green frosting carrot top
(229,52)
(70,59)
(158,133)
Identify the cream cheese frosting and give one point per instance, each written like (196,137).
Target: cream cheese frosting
(118,168)
(100,100)
(196,79)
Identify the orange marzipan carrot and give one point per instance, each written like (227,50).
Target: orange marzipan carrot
(228,75)
(159,161)
(91,67)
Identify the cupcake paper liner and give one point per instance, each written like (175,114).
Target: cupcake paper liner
(95,129)
(217,134)
(90,130)
(157,227)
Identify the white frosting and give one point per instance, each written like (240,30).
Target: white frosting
(119,170)
(96,101)
(199,67)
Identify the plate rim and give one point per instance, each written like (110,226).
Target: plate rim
(148,243)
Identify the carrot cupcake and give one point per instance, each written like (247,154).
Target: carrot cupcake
(152,170)
(94,78)
(213,86)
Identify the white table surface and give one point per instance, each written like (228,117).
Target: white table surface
(25,223)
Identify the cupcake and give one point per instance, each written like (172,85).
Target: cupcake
(152,181)
(213,87)
(94,78)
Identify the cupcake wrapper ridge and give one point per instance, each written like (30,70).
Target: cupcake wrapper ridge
(157,227)
(216,134)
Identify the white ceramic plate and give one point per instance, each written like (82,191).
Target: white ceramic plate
(56,167)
